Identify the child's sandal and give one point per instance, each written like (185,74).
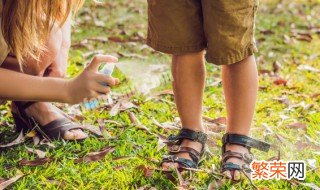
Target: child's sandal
(174,147)
(246,157)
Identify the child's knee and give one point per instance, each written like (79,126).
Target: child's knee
(189,56)
(247,60)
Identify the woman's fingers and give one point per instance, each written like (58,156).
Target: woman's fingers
(98,59)
(116,81)
(101,78)
(101,89)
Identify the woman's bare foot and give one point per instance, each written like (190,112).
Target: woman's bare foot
(235,175)
(44,113)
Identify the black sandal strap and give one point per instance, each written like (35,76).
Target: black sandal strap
(182,161)
(174,143)
(246,157)
(22,106)
(245,141)
(229,166)
(196,136)
(194,154)
(57,128)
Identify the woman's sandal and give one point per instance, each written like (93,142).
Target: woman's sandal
(174,147)
(54,130)
(246,157)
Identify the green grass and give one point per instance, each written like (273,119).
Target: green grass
(127,19)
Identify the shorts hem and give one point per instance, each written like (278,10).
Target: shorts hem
(176,50)
(231,59)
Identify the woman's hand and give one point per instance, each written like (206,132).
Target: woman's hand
(88,84)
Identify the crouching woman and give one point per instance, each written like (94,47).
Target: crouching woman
(34,45)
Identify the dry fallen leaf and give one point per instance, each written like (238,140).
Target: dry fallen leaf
(96,156)
(122,105)
(115,109)
(166,126)
(46,142)
(40,153)
(303,37)
(308,68)
(5,183)
(266,31)
(212,127)
(36,140)
(303,145)
(265,72)
(134,120)
(315,95)
(99,39)
(161,143)
(280,81)
(119,167)
(147,171)
(116,39)
(93,129)
(183,185)
(131,55)
(276,66)
(310,185)
(20,139)
(163,92)
(298,125)
(35,162)
(284,100)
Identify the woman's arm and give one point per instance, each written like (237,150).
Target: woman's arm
(19,86)
(87,85)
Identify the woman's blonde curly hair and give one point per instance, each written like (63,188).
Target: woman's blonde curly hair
(26,24)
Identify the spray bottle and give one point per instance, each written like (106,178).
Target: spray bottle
(106,70)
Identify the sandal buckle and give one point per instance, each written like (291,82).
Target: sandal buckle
(175,148)
(248,157)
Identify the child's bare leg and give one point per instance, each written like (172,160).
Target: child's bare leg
(189,79)
(240,84)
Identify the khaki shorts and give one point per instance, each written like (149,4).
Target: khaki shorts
(225,28)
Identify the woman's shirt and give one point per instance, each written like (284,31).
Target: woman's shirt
(4,51)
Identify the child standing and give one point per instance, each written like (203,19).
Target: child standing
(222,31)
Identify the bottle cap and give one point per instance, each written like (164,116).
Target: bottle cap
(108,69)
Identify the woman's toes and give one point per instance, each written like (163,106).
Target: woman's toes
(75,134)
(227,174)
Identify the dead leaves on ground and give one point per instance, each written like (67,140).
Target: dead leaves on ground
(121,105)
(39,153)
(90,157)
(96,156)
(20,139)
(35,162)
(4,183)
(147,171)
(298,125)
